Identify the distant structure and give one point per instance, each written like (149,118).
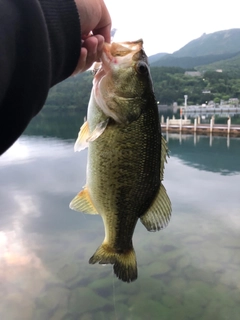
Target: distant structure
(234,101)
(206,91)
(193,73)
(113,31)
(185,100)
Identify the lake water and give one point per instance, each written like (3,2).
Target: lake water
(190,270)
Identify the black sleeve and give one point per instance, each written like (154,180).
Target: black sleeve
(40,45)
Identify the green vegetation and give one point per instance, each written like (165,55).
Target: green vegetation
(231,65)
(187,62)
(170,85)
(218,50)
(72,93)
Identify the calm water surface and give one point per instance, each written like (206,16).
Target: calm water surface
(190,270)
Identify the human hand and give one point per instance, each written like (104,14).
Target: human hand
(95,30)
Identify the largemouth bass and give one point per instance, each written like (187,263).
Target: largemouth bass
(126,155)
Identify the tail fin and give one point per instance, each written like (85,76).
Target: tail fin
(124,264)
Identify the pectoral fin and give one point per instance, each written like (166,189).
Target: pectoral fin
(83,135)
(159,213)
(100,127)
(82,202)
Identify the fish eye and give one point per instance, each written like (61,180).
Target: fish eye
(141,67)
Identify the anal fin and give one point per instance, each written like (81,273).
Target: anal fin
(159,213)
(83,203)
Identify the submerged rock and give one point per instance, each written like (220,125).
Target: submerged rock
(183,261)
(101,283)
(60,314)
(16,306)
(193,239)
(87,316)
(52,299)
(68,272)
(83,300)
(151,310)
(197,294)
(158,268)
(199,274)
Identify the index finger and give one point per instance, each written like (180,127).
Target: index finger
(104,25)
(105,32)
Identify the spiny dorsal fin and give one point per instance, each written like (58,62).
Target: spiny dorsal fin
(100,127)
(164,155)
(82,202)
(83,135)
(159,213)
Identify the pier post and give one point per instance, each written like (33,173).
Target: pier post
(211,125)
(162,119)
(167,123)
(210,139)
(198,120)
(229,124)
(195,138)
(195,125)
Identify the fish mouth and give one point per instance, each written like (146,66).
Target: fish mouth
(115,57)
(120,53)
(114,54)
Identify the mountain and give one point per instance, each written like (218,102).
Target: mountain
(210,48)
(156,57)
(190,62)
(230,65)
(220,42)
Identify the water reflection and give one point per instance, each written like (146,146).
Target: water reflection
(211,153)
(188,271)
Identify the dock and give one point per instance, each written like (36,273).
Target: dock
(210,109)
(184,126)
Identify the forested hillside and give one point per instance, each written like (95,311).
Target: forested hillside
(218,50)
(231,66)
(170,86)
(192,62)
(72,93)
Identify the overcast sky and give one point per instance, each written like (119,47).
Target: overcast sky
(166,26)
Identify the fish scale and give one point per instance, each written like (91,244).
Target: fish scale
(126,156)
